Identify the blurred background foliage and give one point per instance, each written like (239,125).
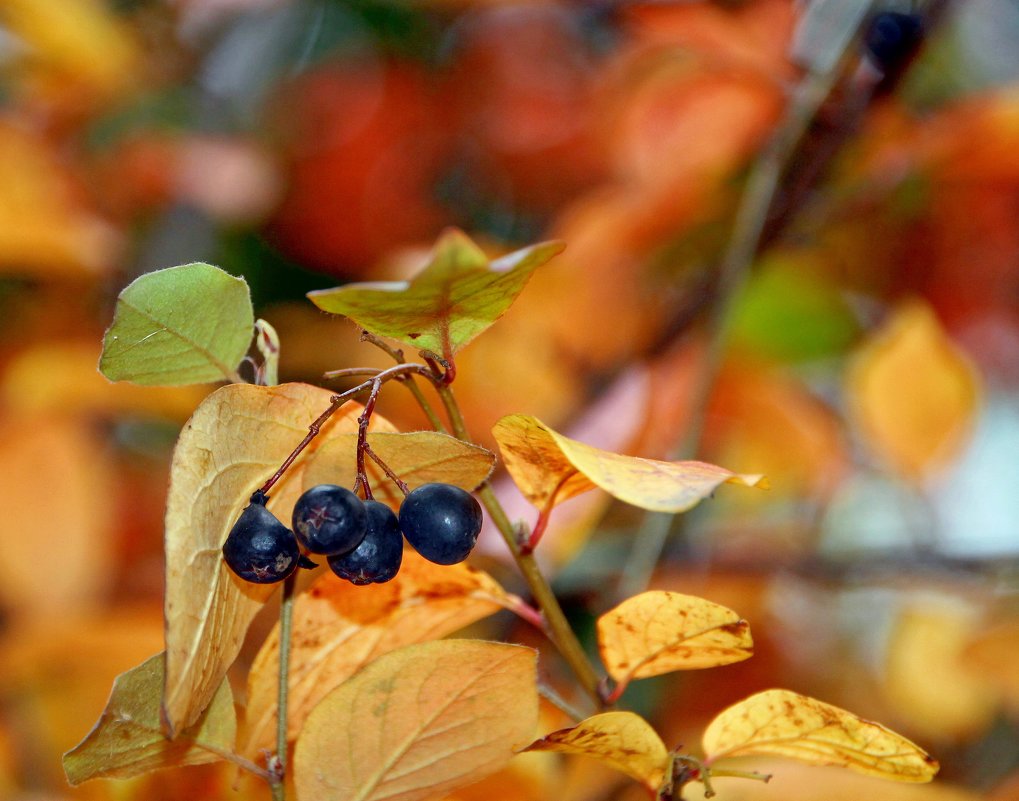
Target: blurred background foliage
(871,372)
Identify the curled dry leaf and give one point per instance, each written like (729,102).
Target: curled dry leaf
(784,723)
(419,722)
(128,738)
(235,440)
(339,628)
(913,393)
(453,299)
(657,632)
(550,468)
(622,740)
(417,457)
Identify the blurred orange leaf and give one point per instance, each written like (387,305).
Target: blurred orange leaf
(991,655)
(622,740)
(549,468)
(44,377)
(338,628)
(784,723)
(234,441)
(419,722)
(657,632)
(417,457)
(925,677)
(45,457)
(128,739)
(80,41)
(913,393)
(453,299)
(44,230)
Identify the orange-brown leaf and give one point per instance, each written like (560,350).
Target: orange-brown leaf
(338,628)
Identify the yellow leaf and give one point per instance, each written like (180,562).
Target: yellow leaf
(913,393)
(235,440)
(419,722)
(339,628)
(417,457)
(784,723)
(657,632)
(622,740)
(550,468)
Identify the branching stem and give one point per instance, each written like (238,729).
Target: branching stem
(558,627)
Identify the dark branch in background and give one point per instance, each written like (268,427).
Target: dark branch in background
(826,109)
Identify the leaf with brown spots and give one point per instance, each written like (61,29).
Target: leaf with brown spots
(454,298)
(338,628)
(784,723)
(419,722)
(549,468)
(657,632)
(621,740)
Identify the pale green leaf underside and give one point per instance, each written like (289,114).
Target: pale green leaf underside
(128,739)
(183,325)
(457,296)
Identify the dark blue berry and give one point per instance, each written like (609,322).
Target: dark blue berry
(377,559)
(259,548)
(441,521)
(892,38)
(329,520)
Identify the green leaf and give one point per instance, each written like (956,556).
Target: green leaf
(789,312)
(183,325)
(128,739)
(456,297)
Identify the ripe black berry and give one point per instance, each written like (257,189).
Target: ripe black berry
(378,557)
(892,38)
(441,521)
(259,548)
(329,520)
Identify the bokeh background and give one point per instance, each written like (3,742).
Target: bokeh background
(871,365)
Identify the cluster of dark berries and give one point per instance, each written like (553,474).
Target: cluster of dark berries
(361,540)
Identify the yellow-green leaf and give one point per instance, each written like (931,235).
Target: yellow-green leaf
(417,457)
(622,740)
(419,722)
(338,628)
(235,440)
(454,298)
(184,325)
(128,739)
(550,468)
(784,723)
(657,632)
(913,393)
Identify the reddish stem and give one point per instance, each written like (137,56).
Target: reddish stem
(362,437)
(385,468)
(335,402)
